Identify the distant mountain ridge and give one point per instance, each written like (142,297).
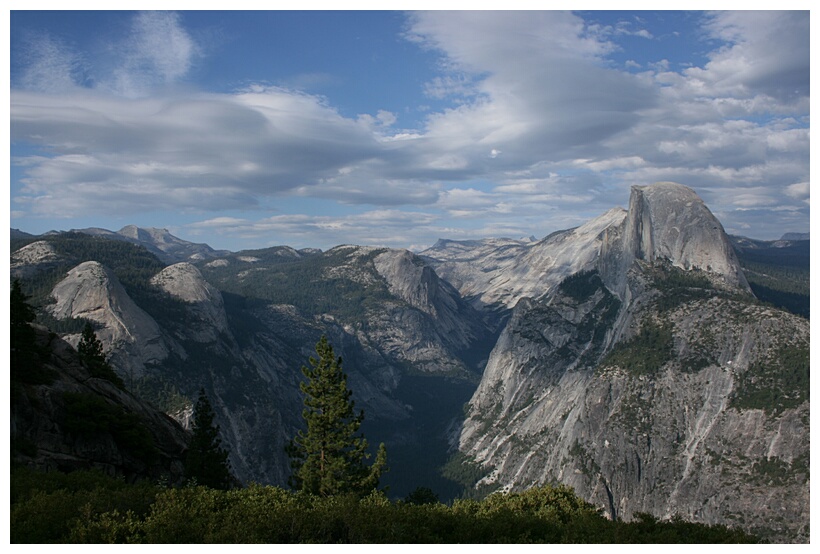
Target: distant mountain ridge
(160,242)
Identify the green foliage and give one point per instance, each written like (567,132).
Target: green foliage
(260,514)
(775,382)
(463,470)
(581,285)
(160,393)
(48,507)
(328,458)
(678,286)
(422,495)
(313,284)
(206,461)
(66,326)
(133,265)
(793,302)
(91,355)
(89,414)
(772,471)
(645,353)
(90,507)
(778,273)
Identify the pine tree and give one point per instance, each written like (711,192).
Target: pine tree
(25,356)
(206,461)
(328,458)
(91,354)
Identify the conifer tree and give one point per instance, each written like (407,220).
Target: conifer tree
(91,354)
(22,314)
(329,457)
(206,461)
(25,365)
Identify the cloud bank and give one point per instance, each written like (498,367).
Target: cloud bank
(542,132)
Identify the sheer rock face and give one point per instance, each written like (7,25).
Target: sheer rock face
(672,441)
(669,221)
(129,334)
(410,279)
(204,302)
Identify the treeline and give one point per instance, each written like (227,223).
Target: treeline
(88,507)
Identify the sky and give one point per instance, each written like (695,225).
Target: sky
(248,129)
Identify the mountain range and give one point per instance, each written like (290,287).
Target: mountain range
(630,357)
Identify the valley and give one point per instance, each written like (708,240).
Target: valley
(630,358)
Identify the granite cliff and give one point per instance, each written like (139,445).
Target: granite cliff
(653,382)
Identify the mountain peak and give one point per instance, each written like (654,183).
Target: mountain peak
(670,221)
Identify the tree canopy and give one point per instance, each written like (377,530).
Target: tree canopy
(328,458)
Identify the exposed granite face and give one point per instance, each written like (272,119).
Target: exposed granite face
(249,362)
(552,405)
(204,302)
(33,258)
(436,324)
(130,336)
(668,427)
(672,441)
(669,221)
(497,273)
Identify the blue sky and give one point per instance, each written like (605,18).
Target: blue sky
(252,129)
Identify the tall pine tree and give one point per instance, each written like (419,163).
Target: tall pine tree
(206,461)
(26,357)
(329,457)
(91,354)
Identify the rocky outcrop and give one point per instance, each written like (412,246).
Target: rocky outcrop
(33,258)
(131,337)
(203,302)
(654,382)
(453,322)
(160,242)
(497,273)
(79,422)
(684,437)
(669,221)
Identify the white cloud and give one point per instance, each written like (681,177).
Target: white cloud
(799,191)
(49,64)
(536,115)
(767,53)
(158,51)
